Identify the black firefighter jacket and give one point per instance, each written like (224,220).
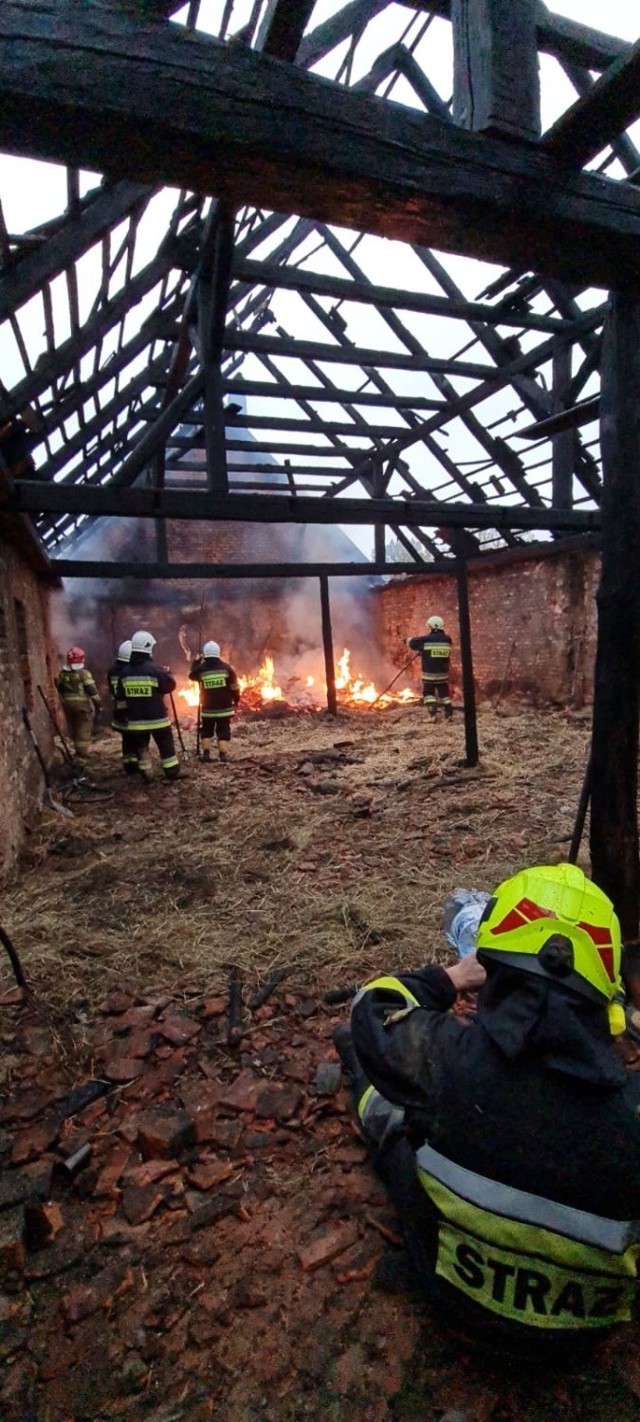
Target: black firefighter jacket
(142,688)
(220,692)
(436,653)
(524,1151)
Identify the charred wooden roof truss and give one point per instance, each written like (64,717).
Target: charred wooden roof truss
(252,301)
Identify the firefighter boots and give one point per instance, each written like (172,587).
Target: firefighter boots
(206,756)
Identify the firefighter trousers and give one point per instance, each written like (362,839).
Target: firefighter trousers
(79,721)
(434,694)
(135,752)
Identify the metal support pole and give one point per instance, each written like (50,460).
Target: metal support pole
(468,687)
(327,642)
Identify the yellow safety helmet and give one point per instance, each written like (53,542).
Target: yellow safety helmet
(553,921)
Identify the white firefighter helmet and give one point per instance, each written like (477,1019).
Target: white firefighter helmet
(143,642)
(211,649)
(435,623)
(124,651)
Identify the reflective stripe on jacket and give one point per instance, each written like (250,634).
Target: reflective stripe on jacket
(76,688)
(436,652)
(142,687)
(529,1170)
(119,714)
(220,692)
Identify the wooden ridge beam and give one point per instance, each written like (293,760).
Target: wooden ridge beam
(29,496)
(271,275)
(179,108)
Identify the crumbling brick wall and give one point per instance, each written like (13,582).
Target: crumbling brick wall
(533,625)
(25,664)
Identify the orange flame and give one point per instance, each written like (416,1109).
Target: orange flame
(353,689)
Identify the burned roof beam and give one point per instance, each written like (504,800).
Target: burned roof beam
(28,496)
(556,35)
(274,391)
(351,355)
(600,116)
(271,275)
(582,414)
(87,568)
(180,108)
(97,215)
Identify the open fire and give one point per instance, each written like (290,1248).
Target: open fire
(307,693)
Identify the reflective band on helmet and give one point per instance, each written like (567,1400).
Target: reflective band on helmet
(387,985)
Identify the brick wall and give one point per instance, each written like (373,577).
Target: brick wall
(25,663)
(532,621)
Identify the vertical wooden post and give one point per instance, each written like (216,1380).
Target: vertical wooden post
(496,86)
(616,701)
(213,291)
(327,642)
(466,659)
(563,444)
(162,549)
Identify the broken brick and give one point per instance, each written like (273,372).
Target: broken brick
(42,1222)
(12,1247)
(25,1106)
(240,1094)
(140,1202)
(32,1143)
(279,1102)
(85,1299)
(178,1029)
(122,1068)
(326,1246)
(213,1007)
(164,1132)
(209,1173)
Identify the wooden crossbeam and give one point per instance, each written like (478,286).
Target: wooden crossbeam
(271,275)
(272,390)
(351,355)
(179,108)
(569,39)
(29,496)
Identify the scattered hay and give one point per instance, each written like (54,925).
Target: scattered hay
(262,865)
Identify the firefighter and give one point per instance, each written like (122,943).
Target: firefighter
(118,719)
(219,696)
(511,1143)
(141,690)
(80,701)
(435,647)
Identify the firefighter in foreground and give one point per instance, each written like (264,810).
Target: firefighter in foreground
(511,1144)
(80,701)
(119,714)
(435,646)
(219,696)
(140,692)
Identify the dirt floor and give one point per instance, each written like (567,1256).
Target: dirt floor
(214,1251)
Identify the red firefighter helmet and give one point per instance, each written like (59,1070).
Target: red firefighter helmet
(75,657)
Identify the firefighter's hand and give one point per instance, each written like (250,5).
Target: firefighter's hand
(468,975)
